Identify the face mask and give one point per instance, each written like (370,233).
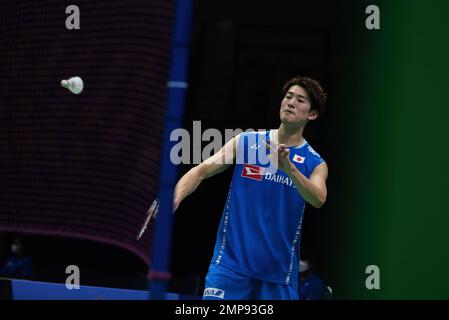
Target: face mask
(14,248)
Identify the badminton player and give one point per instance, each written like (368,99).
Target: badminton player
(256,253)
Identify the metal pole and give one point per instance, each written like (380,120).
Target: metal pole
(159,274)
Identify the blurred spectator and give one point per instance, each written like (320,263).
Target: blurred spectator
(187,284)
(17,265)
(310,286)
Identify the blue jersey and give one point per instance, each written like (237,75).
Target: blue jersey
(260,228)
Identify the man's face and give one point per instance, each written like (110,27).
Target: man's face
(295,107)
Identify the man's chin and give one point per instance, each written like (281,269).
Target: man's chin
(287,120)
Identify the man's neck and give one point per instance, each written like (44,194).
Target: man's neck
(290,136)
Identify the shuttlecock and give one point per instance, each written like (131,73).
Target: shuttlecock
(74,84)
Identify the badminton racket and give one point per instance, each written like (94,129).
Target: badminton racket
(152,212)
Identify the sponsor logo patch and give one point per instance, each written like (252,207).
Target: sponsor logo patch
(252,172)
(214,292)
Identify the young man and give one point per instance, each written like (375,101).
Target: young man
(257,249)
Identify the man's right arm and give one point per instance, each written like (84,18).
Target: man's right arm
(217,163)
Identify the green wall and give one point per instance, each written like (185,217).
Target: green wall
(394,101)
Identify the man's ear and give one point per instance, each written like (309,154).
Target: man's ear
(313,114)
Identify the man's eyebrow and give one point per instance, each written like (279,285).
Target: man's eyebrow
(299,95)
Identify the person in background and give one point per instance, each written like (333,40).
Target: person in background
(17,265)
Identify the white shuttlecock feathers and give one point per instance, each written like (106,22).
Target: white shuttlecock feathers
(74,84)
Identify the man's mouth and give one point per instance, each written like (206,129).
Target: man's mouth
(289,111)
